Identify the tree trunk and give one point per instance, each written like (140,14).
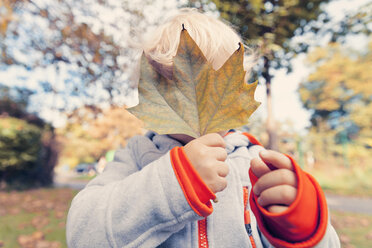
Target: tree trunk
(270,122)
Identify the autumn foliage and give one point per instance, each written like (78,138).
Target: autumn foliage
(339,94)
(91,132)
(28,150)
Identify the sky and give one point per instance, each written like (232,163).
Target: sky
(286,103)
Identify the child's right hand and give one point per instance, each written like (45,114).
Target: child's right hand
(207,154)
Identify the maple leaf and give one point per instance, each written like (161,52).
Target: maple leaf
(198,99)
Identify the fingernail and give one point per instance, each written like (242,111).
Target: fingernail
(259,201)
(255,190)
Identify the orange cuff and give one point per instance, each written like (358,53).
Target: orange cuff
(252,139)
(303,224)
(196,192)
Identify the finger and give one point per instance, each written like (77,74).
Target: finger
(278,195)
(219,153)
(276,208)
(277,159)
(258,167)
(222,169)
(213,139)
(275,178)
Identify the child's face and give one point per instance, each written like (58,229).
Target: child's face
(184,138)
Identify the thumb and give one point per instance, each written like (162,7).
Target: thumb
(276,160)
(259,167)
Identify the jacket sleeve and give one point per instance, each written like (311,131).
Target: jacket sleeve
(127,207)
(329,240)
(304,224)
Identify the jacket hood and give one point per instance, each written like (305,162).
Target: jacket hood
(152,146)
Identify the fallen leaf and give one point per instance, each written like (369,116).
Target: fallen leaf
(14,211)
(364,222)
(197,100)
(3,212)
(38,235)
(39,222)
(62,224)
(36,240)
(47,244)
(25,241)
(345,239)
(369,235)
(23,225)
(42,244)
(59,214)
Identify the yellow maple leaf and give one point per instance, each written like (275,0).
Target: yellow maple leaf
(198,99)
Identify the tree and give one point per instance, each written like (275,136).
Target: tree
(40,35)
(28,151)
(92,131)
(352,24)
(339,94)
(270,26)
(87,45)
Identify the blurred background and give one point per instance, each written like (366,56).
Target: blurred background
(65,81)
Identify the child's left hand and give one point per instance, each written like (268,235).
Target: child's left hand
(276,189)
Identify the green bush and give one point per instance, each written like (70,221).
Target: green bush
(27,153)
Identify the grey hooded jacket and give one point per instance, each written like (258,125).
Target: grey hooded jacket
(138,202)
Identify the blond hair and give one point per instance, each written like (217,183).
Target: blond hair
(216,39)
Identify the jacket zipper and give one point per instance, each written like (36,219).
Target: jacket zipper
(202,224)
(247,217)
(202,232)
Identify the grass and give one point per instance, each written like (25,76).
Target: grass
(10,228)
(84,178)
(354,230)
(35,217)
(353,181)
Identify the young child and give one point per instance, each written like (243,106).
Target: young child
(219,190)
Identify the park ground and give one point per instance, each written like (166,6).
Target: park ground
(37,218)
